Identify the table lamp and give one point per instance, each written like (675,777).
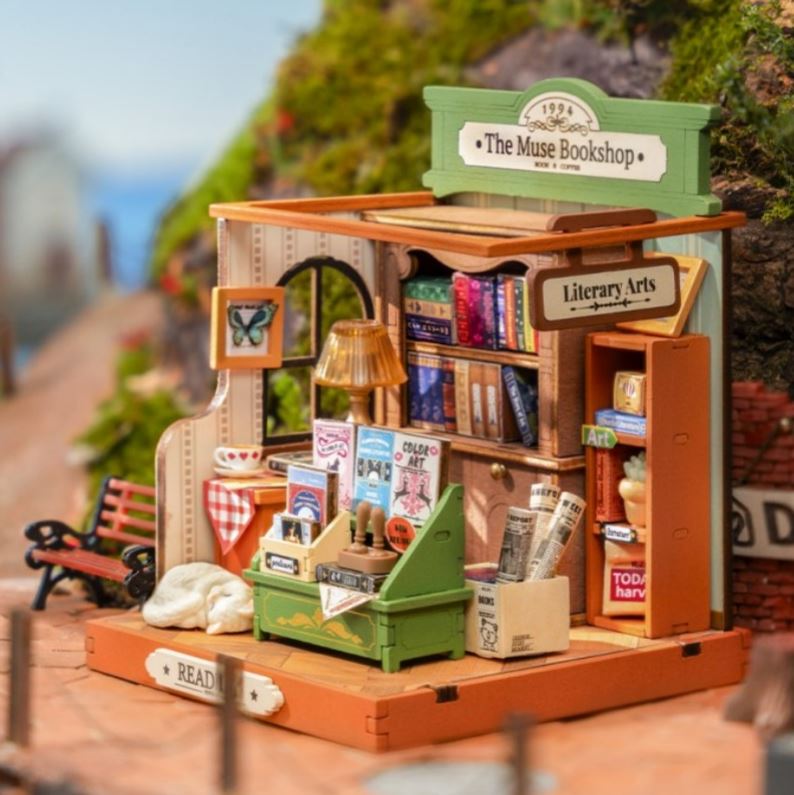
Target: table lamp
(358,357)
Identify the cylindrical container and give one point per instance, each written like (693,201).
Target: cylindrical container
(543,499)
(564,521)
(519,530)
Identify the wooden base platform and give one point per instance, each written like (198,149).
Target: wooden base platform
(353,703)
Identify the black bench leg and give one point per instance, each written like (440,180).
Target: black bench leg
(45,586)
(97,594)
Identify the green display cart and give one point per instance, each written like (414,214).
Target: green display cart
(418,612)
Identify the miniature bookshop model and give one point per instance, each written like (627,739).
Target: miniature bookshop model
(525,509)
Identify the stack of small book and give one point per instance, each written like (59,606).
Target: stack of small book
(481,311)
(473,398)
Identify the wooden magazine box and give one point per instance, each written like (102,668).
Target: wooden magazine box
(518,619)
(299,561)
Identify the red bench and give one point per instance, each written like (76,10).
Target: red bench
(125,514)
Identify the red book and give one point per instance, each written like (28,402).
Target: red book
(460,289)
(448,389)
(609,471)
(511,321)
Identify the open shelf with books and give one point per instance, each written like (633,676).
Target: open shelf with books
(650,577)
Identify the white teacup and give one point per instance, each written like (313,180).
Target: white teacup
(239,457)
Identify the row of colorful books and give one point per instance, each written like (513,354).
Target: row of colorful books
(473,398)
(482,311)
(403,473)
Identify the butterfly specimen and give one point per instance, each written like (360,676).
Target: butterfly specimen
(254,329)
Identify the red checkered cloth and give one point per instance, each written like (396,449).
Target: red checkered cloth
(230,509)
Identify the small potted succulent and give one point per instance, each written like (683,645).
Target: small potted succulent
(632,489)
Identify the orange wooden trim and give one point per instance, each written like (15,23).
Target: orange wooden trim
(559,690)
(310,706)
(135,488)
(416,717)
(295,215)
(365,201)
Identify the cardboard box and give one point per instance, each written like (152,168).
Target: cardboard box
(519,618)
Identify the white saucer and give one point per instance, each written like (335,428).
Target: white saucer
(238,473)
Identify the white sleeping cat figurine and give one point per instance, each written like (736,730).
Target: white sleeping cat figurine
(201,595)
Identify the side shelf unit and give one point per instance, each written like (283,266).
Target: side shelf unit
(677,480)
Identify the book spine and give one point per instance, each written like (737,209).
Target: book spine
(620,422)
(530,335)
(477,394)
(348,578)
(609,471)
(414,391)
(500,311)
(277,465)
(517,406)
(460,289)
(448,393)
(476,318)
(518,292)
(462,397)
(511,321)
(488,308)
(429,320)
(493,420)
(431,386)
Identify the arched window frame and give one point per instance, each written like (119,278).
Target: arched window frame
(316,264)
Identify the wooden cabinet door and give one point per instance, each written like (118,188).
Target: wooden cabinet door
(487,496)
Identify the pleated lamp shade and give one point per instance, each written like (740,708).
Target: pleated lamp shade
(358,357)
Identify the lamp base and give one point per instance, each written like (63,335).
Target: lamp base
(359,407)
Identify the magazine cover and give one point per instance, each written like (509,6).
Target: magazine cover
(417,480)
(334,446)
(374,463)
(311,493)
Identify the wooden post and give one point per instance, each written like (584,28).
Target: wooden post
(517,726)
(7,381)
(230,669)
(19,695)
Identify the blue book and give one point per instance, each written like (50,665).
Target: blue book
(414,391)
(522,392)
(426,391)
(501,330)
(374,467)
(622,422)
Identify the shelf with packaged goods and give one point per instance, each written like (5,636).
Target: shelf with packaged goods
(677,465)
(529,361)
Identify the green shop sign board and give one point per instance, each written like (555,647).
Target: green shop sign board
(566,139)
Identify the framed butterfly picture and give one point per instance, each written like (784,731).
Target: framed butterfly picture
(247,328)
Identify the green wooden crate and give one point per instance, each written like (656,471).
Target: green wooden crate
(419,611)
